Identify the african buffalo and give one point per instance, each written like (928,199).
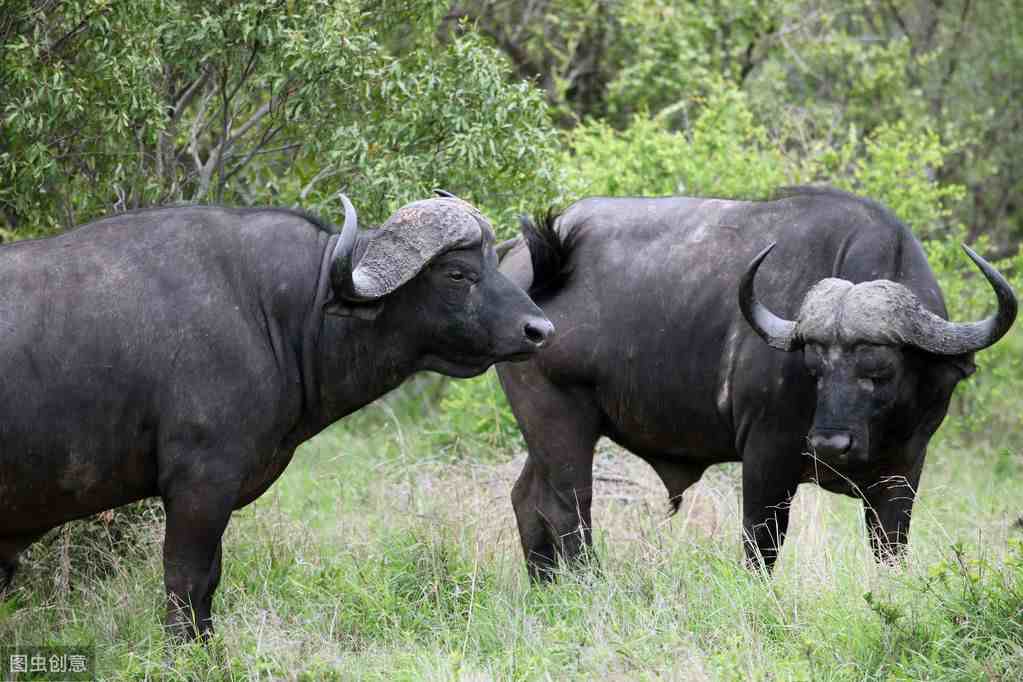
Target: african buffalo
(658,351)
(186,352)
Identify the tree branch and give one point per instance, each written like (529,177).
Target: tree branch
(225,120)
(269,134)
(526,68)
(894,13)
(247,71)
(197,128)
(953,61)
(256,117)
(324,173)
(184,99)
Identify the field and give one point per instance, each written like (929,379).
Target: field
(388,550)
(382,555)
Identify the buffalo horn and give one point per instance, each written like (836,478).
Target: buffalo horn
(341,259)
(936,335)
(776,331)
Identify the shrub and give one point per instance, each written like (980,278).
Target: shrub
(474,420)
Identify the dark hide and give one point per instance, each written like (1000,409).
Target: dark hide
(654,353)
(185,353)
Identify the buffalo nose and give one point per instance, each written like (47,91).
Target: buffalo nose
(538,331)
(832,444)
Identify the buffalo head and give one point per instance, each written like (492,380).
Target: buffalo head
(882,361)
(431,273)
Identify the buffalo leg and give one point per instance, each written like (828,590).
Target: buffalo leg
(770,477)
(764,527)
(197,515)
(213,584)
(9,549)
(7,569)
(888,506)
(553,493)
(8,563)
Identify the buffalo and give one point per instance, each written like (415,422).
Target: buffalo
(185,352)
(836,367)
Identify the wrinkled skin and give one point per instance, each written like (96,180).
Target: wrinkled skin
(186,352)
(858,387)
(654,353)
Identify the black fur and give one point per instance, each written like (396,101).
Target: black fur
(7,569)
(549,252)
(655,353)
(827,191)
(190,358)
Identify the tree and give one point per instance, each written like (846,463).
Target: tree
(817,73)
(111,106)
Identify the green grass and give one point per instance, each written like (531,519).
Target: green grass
(375,557)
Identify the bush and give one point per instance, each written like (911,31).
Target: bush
(964,615)
(475,421)
(728,152)
(724,154)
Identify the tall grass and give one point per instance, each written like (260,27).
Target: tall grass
(373,558)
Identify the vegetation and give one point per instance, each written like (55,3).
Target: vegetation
(388,549)
(372,558)
(252,103)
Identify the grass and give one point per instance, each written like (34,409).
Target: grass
(380,556)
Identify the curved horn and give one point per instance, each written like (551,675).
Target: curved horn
(341,259)
(937,335)
(444,193)
(776,331)
(410,239)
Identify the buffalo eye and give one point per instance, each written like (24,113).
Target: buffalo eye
(878,372)
(461,275)
(875,364)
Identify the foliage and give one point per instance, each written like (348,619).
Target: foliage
(963,614)
(668,52)
(249,102)
(474,420)
(816,68)
(897,169)
(729,152)
(725,154)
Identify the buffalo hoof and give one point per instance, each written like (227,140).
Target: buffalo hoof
(545,571)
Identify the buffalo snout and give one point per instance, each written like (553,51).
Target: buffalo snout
(835,446)
(517,326)
(538,331)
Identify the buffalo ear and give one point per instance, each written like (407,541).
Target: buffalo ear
(937,384)
(944,372)
(963,364)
